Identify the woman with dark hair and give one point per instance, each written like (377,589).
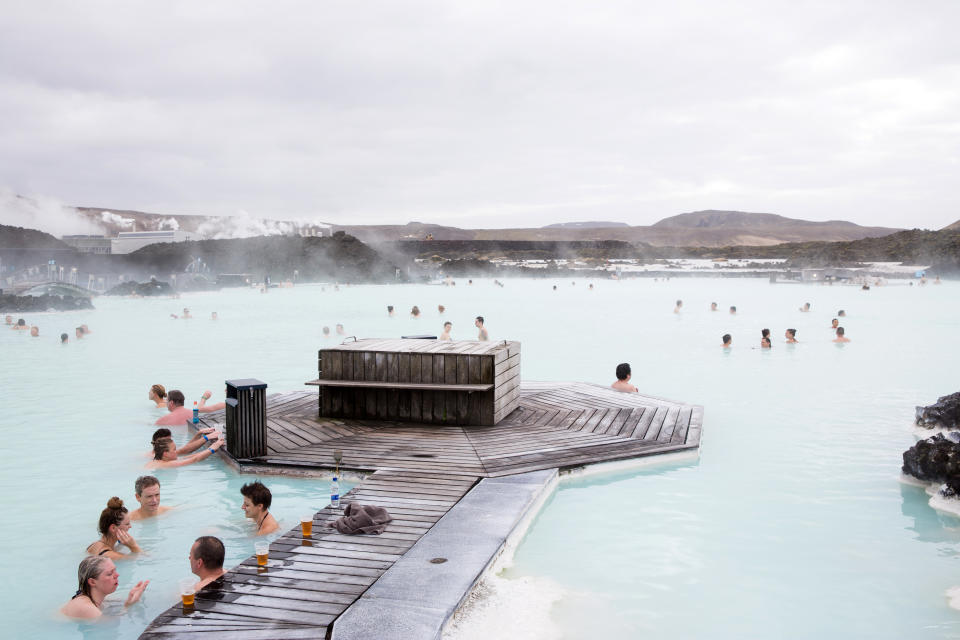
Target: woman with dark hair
(159,395)
(114,528)
(791,336)
(98,578)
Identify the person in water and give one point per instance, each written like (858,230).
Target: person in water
(447,326)
(213,315)
(483,336)
(158,393)
(841,336)
(441,309)
(114,528)
(791,336)
(256,506)
(765,342)
(764,333)
(677,308)
(622,382)
(206,560)
(326,332)
(86,330)
(97,578)
(35,331)
(179,414)
(21,325)
(842,313)
(203,407)
(199,439)
(834,324)
(733,310)
(713,306)
(166,455)
(727,341)
(415,312)
(78,332)
(340,331)
(390,310)
(147,491)
(8,320)
(64,338)
(805,308)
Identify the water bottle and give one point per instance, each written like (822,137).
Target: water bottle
(335,493)
(196,413)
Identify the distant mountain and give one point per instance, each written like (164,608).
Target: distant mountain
(20,238)
(714,219)
(585,225)
(952,227)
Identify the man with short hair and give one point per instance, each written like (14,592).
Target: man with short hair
(713,306)
(178,413)
(478,323)
(9,320)
(206,560)
(34,331)
(727,341)
(147,491)
(623,379)
(841,337)
(78,332)
(64,338)
(834,324)
(21,325)
(677,308)
(256,506)
(447,326)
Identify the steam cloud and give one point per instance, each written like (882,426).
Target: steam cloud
(243,225)
(43,213)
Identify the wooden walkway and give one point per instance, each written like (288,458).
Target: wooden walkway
(558,425)
(309,582)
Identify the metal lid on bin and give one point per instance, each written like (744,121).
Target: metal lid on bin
(246,383)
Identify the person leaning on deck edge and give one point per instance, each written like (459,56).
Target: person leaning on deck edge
(206,560)
(165,454)
(623,379)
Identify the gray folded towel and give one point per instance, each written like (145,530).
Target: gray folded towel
(360,518)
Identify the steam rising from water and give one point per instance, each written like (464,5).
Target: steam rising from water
(243,225)
(43,213)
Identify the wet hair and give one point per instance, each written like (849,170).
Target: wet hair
(480,318)
(144,482)
(163,432)
(113,514)
(765,333)
(160,445)
(733,308)
(159,391)
(389,307)
(841,312)
(211,551)
(176,397)
(840,331)
(258,493)
(679,302)
(415,311)
(21,322)
(726,338)
(765,341)
(90,568)
(441,308)
(64,337)
(447,324)
(623,370)
(326,330)
(792,332)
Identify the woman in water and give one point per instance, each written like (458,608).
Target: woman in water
(415,312)
(114,527)
(159,396)
(791,336)
(98,578)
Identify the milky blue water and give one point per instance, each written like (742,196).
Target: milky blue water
(791,524)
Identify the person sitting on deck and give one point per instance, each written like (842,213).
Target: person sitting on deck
(256,506)
(114,528)
(158,393)
(147,491)
(205,408)
(727,341)
(165,454)
(447,326)
(623,379)
(483,336)
(97,578)
(199,439)
(206,560)
(791,336)
(179,414)
(840,336)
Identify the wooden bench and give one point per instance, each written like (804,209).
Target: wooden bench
(368,384)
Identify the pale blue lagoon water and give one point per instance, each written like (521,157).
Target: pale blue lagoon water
(791,524)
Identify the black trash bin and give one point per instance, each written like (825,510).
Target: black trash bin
(246,418)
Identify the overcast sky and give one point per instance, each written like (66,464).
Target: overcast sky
(486,113)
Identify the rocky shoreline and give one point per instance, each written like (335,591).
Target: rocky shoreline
(936,459)
(37,304)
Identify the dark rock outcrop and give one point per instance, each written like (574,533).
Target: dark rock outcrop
(152,288)
(35,304)
(944,413)
(936,459)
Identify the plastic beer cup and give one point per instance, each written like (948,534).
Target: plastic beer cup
(187,592)
(263,551)
(306,526)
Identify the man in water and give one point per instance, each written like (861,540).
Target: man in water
(765,342)
(86,330)
(178,413)
(326,332)
(206,560)
(441,309)
(840,336)
(147,491)
(186,314)
(834,324)
(727,341)
(213,315)
(446,331)
(805,308)
(165,454)
(34,331)
(64,338)
(676,309)
(21,325)
(340,331)
(842,313)
(256,506)
(390,310)
(478,323)
(733,311)
(791,336)
(713,306)
(78,332)
(623,379)
(9,320)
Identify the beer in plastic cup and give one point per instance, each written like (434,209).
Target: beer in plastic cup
(306,526)
(263,551)
(187,591)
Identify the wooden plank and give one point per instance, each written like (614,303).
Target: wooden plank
(440,386)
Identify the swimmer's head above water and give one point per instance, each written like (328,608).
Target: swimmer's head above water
(727,340)
(623,371)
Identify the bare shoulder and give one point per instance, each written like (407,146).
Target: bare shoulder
(80,608)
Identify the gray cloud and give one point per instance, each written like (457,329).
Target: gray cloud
(489,114)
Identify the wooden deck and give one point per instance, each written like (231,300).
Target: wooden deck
(309,582)
(558,425)
(418,473)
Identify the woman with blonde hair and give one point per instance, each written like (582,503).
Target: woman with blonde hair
(98,578)
(159,396)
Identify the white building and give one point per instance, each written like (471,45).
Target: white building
(130,241)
